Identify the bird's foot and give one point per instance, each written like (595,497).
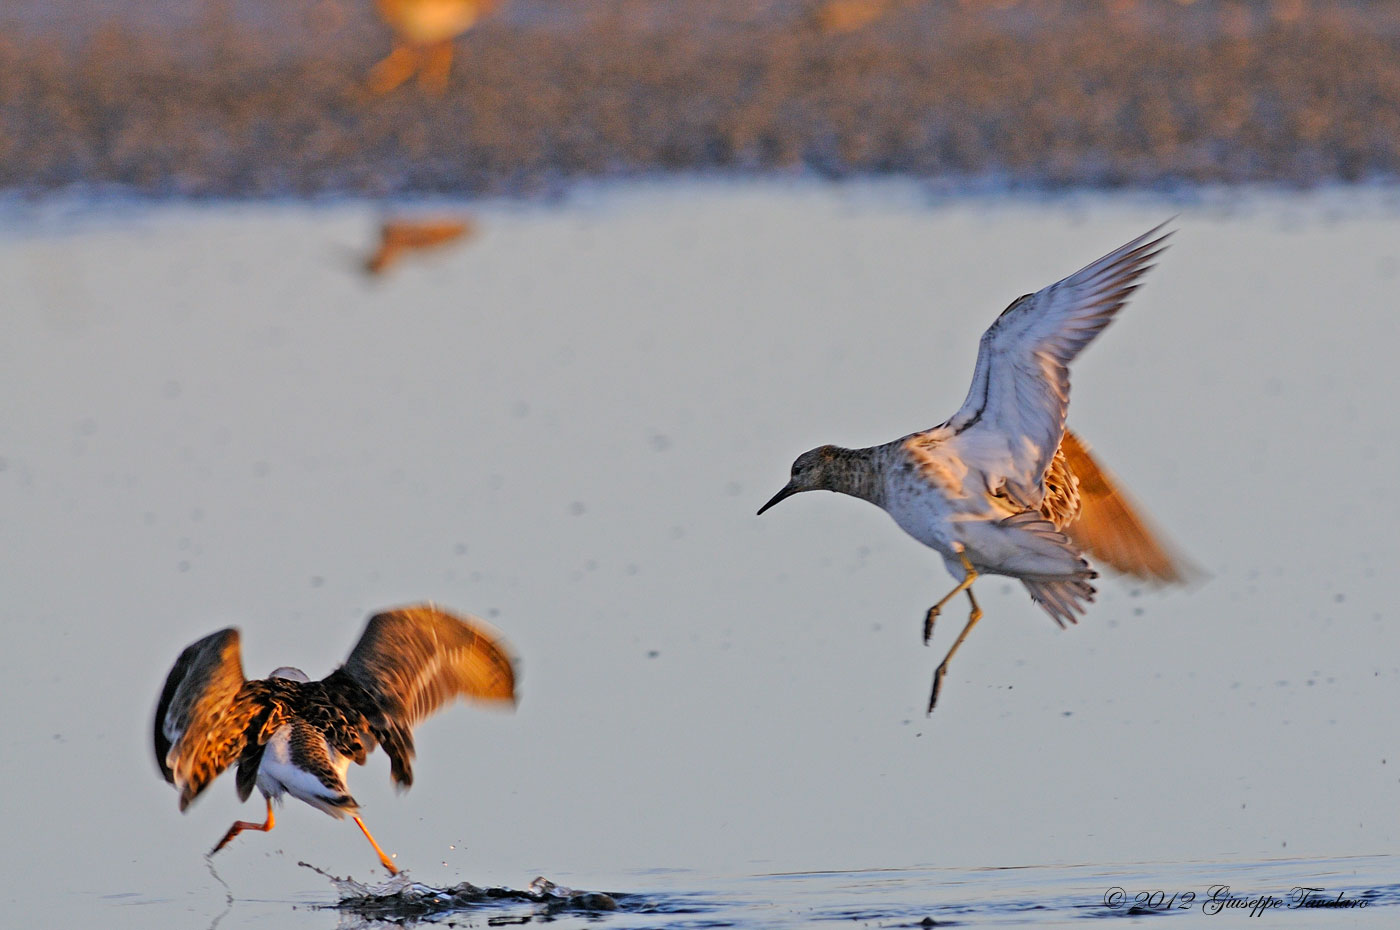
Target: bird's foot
(937,686)
(238,827)
(931,616)
(384,859)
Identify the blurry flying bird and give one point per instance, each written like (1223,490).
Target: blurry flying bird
(423,34)
(835,17)
(1002,487)
(399,236)
(292,735)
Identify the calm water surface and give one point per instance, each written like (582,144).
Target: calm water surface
(567,425)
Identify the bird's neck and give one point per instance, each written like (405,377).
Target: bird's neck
(859,473)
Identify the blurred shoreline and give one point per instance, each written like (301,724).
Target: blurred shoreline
(227,101)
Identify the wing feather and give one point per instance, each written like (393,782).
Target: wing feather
(413,660)
(1110,526)
(1014,413)
(202,715)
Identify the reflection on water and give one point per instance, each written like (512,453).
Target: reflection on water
(566,428)
(1282,893)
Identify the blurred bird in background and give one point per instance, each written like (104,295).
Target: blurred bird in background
(423,34)
(397,237)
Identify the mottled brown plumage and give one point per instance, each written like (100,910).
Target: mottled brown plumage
(290,734)
(202,717)
(414,660)
(1061,502)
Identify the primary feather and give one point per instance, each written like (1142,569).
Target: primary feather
(1011,423)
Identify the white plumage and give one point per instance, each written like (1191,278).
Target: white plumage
(1001,487)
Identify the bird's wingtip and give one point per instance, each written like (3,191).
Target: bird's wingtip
(1156,233)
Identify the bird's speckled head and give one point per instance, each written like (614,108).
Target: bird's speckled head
(825,468)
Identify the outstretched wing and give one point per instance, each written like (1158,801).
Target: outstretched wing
(1109,525)
(200,720)
(413,660)
(1014,415)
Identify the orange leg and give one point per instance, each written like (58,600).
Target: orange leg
(437,67)
(240,825)
(383,859)
(396,68)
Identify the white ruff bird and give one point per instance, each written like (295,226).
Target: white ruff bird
(1002,488)
(291,735)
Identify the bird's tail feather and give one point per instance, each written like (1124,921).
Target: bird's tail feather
(338,806)
(1063,600)
(1025,545)
(1047,561)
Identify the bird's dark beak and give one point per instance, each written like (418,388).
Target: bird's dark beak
(786,492)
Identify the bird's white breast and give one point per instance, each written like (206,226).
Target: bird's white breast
(278,774)
(920,510)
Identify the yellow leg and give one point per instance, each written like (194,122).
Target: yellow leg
(240,825)
(396,68)
(943,666)
(383,859)
(437,67)
(969,576)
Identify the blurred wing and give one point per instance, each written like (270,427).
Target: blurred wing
(1109,525)
(1014,413)
(200,720)
(415,659)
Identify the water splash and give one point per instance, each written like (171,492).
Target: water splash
(403,899)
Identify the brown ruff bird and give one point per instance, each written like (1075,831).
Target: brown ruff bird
(291,735)
(397,237)
(423,34)
(1002,487)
